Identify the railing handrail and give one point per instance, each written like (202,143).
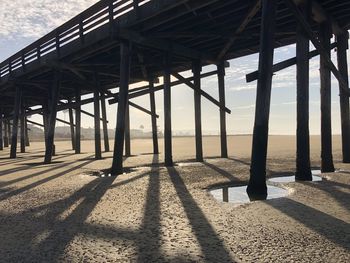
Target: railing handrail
(71,30)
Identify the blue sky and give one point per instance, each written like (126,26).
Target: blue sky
(22,22)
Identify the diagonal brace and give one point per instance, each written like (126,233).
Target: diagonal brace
(316,42)
(202,92)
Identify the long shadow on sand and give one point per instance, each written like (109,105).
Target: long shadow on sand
(211,245)
(148,242)
(25,235)
(332,189)
(39,182)
(26,166)
(51,247)
(331,228)
(221,171)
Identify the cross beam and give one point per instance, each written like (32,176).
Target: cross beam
(142,109)
(251,13)
(146,89)
(319,46)
(202,92)
(284,64)
(35,123)
(163,45)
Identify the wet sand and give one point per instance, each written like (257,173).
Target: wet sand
(59,212)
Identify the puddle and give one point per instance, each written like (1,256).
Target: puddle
(290,179)
(106,173)
(238,194)
(315,172)
(189,164)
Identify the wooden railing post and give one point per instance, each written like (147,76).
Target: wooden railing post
(57,44)
(81,31)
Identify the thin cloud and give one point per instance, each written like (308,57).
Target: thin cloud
(33,19)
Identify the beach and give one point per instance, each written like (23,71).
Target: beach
(64,212)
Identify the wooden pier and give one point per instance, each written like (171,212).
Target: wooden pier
(117,43)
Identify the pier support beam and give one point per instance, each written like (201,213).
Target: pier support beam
(326,125)
(104,121)
(26,132)
(22,129)
(9,130)
(222,100)
(98,154)
(1,133)
(303,169)
(51,122)
(196,69)
(18,95)
(78,120)
(257,184)
(117,165)
(167,113)
(153,118)
(45,120)
(127,131)
(71,126)
(342,46)
(6,134)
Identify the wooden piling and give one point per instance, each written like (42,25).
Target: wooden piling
(98,154)
(167,113)
(104,122)
(26,132)
(9,131)
(196,69)
(342,46)
(153,118)
(22,129)
(257,184)
(6,135)
(78,120)
(222,100)
(127,132)
(303,169)
(54,95)
(45,120)
(1,133)
(117,164)
(18,95)
(71,126)
(326,103)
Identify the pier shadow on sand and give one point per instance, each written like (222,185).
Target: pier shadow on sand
(328,226)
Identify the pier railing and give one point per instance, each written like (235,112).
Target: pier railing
(101,13)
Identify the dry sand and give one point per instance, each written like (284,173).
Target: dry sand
(58,212)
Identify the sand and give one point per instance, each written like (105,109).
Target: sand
(60,213)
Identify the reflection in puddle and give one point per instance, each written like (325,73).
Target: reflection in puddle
(290,179)
(316,172)
(238,194)
(185,164)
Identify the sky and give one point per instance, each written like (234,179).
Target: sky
(24,21)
